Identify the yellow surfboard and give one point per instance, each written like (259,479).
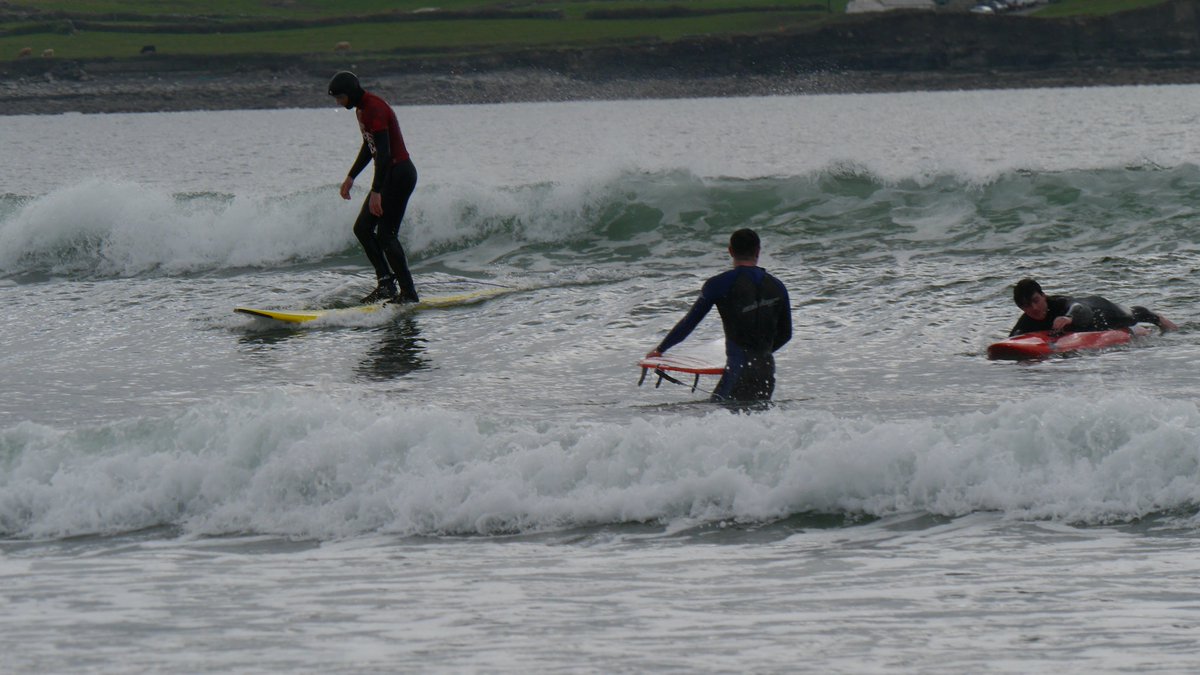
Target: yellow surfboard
(433,302)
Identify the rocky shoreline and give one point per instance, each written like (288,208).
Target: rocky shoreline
(180,91)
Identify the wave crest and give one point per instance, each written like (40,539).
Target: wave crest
(306,465)
(105,228)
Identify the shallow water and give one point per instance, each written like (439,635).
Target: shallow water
(485,488)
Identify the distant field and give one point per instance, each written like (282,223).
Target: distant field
(412,38)
(90,29)
(332,8)
(119,28)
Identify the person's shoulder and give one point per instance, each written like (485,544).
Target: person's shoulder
(719,284)
(374,104)
(1021,326)
(374,111)
(723,275)
(774,279)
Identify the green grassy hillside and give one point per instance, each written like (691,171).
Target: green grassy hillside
(119,28)
(97,29)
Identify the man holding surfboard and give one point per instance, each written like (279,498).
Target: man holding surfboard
(1089,313)
(756,314)
(378,223)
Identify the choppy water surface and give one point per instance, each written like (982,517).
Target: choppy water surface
(486,488)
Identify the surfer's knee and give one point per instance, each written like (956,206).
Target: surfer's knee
(364,227)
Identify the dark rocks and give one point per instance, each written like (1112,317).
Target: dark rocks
(899,51)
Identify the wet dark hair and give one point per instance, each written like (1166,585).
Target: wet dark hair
(744,243)
(1024,291)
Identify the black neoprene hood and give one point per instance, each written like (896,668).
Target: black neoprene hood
(346,83)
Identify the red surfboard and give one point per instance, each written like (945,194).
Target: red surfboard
(1043,343)
(706,359)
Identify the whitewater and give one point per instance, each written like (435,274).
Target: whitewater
(486,488)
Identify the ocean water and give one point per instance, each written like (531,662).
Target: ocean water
(487,489)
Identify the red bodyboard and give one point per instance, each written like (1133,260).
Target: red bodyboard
(1042,343)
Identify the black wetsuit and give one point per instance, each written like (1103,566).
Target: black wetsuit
(395,179)
(757,316)
(1090,312)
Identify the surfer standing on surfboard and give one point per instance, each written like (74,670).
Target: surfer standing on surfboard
(1060,312)
(378,223)
(756,314)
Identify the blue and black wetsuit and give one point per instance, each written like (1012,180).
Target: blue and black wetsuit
(1090,312)
(757,316)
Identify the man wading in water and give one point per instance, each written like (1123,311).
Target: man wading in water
(756,314)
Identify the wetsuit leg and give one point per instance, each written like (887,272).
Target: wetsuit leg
(748,379)
(401,182)
(364,230)
(1106,315)
(1143,315)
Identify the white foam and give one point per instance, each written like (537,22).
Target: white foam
(113,227)
(309,465)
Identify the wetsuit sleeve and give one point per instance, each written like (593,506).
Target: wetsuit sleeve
(360,163)
(688,323)
(1018,327)
(1026,324)
(383,159)
(783,331)
(1081,316)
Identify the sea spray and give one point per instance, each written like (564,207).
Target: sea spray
(109,228)
(304,465)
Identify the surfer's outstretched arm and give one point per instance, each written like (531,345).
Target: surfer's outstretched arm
(685,326)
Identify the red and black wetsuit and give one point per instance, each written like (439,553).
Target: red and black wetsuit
(757,316)
(395,179)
